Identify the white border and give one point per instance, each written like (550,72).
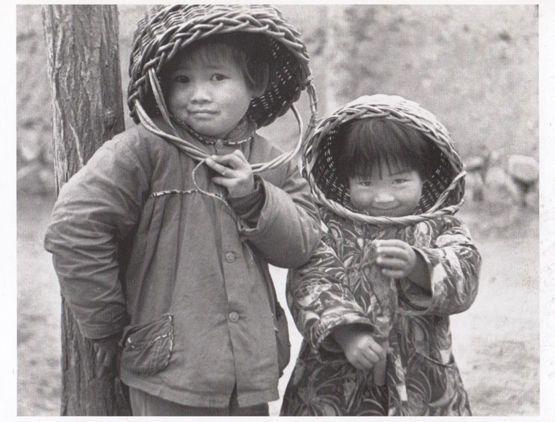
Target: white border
(8,291)
(547,209)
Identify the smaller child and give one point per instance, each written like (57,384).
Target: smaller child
(394,265)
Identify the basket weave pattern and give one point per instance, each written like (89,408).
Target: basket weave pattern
(169,29)
(442,192)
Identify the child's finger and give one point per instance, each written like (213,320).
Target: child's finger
(370,357)
(375,347)
(98,355)
(393,273)
(362,362)
(391,263)
(99,360)
(391,251)
(241,156)
(223,170)
(224,181)
(357,364)
(107,360)
(391,242)
(232,160)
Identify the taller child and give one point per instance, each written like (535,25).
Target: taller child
(170,257)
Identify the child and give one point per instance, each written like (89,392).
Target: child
(188,299)
(393,266)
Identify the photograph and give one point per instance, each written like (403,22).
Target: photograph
(279,210)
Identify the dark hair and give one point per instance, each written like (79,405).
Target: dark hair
(362,144)
(248,51)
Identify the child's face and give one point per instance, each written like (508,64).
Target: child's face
(387,192)
(211,97)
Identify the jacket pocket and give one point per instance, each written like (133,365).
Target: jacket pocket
(435,388)
(147,348)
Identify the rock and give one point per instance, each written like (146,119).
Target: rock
(523,168)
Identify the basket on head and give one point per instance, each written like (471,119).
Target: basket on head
(167,30)
(442,193)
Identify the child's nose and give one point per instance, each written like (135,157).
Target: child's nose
(201,93)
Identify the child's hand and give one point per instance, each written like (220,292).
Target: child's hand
(396,258)
(106,351)
(360,348)
(236,171)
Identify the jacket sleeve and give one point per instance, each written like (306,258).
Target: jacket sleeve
(288,227)
(453,263)
(96,208)
(320,300)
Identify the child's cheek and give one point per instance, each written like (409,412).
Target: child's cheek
(359,198)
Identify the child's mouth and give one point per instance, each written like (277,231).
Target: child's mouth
(202,114)
(384,208)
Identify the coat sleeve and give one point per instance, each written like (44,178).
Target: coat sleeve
(99,206)
(288,227)
(320,300)
(453,263)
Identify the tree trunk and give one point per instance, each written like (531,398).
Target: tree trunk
(83,67)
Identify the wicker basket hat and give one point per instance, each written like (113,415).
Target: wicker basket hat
(442,192)
(166,30)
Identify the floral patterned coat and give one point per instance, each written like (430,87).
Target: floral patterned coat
(340,286)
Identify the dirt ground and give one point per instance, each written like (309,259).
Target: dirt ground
(496,342)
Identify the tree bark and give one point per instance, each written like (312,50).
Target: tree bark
(83,68)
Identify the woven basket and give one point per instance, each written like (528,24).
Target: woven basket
(442,192)
(166,30)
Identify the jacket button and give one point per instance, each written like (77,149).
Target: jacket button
(230,257)
(233,316)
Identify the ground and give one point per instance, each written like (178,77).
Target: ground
(496,341)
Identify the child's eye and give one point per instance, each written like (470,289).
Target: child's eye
(365,183)
(399,181)
(218,77)
(183,79)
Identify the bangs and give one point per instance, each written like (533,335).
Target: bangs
(383,143)
(387,151)
(213,54)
